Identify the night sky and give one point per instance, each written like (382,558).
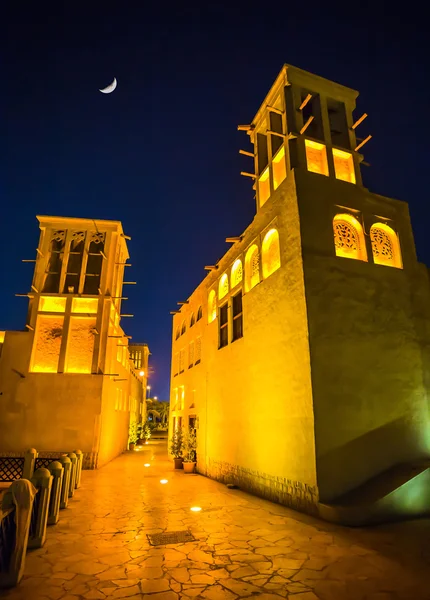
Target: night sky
(161,152)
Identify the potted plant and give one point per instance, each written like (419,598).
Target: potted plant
(140,438)
(146,432)
(132,435)
(176,447)
(189,451)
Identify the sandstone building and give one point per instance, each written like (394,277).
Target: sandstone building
(72,379)
(302,359)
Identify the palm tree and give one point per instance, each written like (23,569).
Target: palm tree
(163,410)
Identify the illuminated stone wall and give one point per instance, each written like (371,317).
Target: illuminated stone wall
(369,331)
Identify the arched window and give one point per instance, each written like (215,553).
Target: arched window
(183,328)
(349,237)
(270,253)
(252,267)
(178,333)
(212,306)
(199,314)
(223,286)
(385,246)
(236,273)
(192,320)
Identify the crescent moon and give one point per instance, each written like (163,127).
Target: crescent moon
(110,88)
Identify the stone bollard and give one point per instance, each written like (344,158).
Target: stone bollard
(57,472)
(67,466)
(20,497)
(74,460)
(42,480)
(29,461)
(80,457)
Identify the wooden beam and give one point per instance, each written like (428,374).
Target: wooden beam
(245,127)
(233,240)
(369,137)
(306,125)
(211,268)
(28,260)
(126,237)
(305,101)
(245,174)
(282,135)
(126,316)
(129,283)
(181,303)
(275,110)
(174,312)
(245,153)
(360,120)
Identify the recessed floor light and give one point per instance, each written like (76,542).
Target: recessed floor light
(146,465)
(164,481)
(196,508)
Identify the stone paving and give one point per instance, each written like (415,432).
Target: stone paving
(245,547)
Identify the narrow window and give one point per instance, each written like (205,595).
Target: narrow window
(316,157)
(182,398)
(264,186)
(338,124)
(212,306)
(183,328)
(237,314)
(252,268)
(191,355)
(385,246)
(178,333)
(93,271)
(279,168)
(55,263)
(74,263)
(181,361)
(223,286)
(236,273)
(343,165)
(199,314)
(80,345)
(223,325)
(176,364)
(348,237)
(198,350)
(192,320)
(270,253)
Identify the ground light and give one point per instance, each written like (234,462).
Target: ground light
(164,480)
(196,508)
(147,465)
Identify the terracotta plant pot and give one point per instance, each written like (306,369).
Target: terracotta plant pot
(189,467)
(178,463)
(131,446)
(140,442)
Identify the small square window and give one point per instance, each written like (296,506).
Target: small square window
(279,168)
(264,186)
(343,165)
(316,157)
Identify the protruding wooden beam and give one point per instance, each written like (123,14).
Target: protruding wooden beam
(270,132)
(306,125)
(124,264)
(126,237)
(275,110)
(103,255)
(174,312)
(245,127)
(211,268)
(34,289)
(233,240)
(292,136)
(30,327)
(181,303)
(39,252)
(360,120)
(24,295)
(305,101)
(28,260)
(246,153)
(369,137)
(129,283)
(245,174)
(126,316)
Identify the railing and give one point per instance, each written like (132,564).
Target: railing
(7,537)
(11,468)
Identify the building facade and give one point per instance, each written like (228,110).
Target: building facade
(302,359)
(68,380)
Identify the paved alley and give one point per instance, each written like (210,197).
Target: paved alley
(244,547)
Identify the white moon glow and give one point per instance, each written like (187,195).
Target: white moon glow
(110,88)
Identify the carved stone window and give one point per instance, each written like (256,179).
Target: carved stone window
(348,237)
(236,273)
(385,246)
(52,281)
(270,252)
(252,267)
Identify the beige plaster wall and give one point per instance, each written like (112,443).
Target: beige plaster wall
(370,400)
(253,397)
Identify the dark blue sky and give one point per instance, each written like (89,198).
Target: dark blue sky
(161,152)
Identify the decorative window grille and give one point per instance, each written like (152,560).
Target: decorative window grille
(236,273)
(348,237)
(385,246)
(271,253)
(223,286)
(198,350)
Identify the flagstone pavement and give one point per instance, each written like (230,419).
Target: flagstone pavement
(245,547)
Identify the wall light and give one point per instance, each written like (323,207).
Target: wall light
(196,508)
(146,465)
(164,481)
(142,373)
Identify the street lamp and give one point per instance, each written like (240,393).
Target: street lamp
(155,397)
